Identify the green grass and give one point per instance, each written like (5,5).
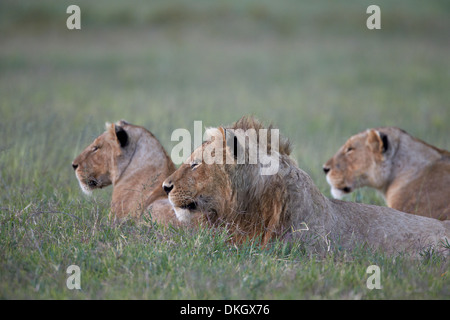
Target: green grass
(314,70)
(135,262)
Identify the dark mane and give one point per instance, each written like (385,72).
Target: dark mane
(257,204)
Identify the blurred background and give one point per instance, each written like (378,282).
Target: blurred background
(313,69)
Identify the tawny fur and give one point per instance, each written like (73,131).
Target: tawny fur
(288,205)
(135,170)
(412,175)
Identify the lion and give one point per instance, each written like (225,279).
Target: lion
(285,204)
(412,175)
(131,159)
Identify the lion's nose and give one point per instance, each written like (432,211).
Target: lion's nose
(326,169)
(167,186)
(74,166)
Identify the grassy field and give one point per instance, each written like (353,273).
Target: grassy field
(313,69)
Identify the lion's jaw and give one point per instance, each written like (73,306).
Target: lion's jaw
(184,215)
(339,189)
(90,183)
(337,193)
(84,185)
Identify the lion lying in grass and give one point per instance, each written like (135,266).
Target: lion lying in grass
(412,175)
(131,159)
(285,204)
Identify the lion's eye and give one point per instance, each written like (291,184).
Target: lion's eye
(95,148)
(194,165)
(349,149)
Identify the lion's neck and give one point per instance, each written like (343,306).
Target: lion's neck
(139,182)
(411,158)
(294,207)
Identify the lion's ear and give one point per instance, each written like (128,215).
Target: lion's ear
(234,143)
(384,139)
(121,135)
(377,141)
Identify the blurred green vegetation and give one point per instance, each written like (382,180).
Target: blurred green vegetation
(311,68)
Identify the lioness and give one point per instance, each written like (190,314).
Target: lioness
(131,159)
(285,204)
(412,175)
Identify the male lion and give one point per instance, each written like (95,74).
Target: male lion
(412,175)
(285,204)
(131,159)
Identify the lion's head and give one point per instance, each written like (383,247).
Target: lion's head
(362,161)
(196,183)
(131,159)
(220,180)
(95,167)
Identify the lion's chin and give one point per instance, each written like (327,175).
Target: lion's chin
(184,215)
(87,185)
(340,193)
(86,189)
